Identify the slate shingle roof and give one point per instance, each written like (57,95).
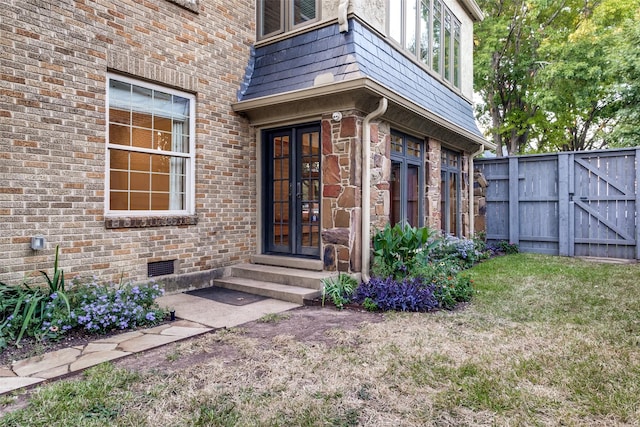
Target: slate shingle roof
(295,62)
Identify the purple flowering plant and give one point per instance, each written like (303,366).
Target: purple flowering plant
(100,308)
(419,269)
(48,312)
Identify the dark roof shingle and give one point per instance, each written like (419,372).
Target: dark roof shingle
(295,62)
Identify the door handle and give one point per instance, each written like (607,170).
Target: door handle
(299,190)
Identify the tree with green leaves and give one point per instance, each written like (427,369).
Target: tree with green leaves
(506,62)
(581,89)
(624,52)
(549,74)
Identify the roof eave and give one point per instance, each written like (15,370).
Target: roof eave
(260,110)
(474,10)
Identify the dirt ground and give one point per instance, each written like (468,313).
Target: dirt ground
(306,324)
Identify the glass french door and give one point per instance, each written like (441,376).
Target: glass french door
(292,205)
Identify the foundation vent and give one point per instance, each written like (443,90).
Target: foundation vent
(160,268)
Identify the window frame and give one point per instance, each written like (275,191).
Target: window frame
(406,160)
(287,17)
(436,48)
(447,171)
(189,156)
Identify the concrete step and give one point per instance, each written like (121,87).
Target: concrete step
(290,262)
(281,275)
(290,293)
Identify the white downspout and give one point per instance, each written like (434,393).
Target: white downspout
(471,195)
(366,186)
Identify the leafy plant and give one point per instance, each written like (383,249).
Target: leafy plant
(443,267)
(417,269)
(56,282)
(31,310)
(395,248)
(451,290)
(47,314)
(507,247)
(20,309)
(465,252)
(99,308)
(369,304)
(339,289)
(408,294)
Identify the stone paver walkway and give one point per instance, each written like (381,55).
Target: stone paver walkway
(196,316)
(58,363)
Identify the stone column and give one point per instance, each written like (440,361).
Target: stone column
(380,175)
(464,196)
(341,192)
(480,185)
(432,193)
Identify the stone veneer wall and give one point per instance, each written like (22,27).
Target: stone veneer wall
(432,193)
(380,175)
(342,187)
(55,59)
(341,191)
(467,216)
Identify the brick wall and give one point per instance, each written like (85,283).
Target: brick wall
(54,58)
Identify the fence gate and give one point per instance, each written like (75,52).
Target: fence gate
(572,204)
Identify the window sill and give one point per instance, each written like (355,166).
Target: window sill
(150,221)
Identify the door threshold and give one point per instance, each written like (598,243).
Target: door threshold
(286,261)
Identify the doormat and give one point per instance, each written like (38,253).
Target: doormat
(226,296)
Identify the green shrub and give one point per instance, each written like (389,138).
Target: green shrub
(410,261)
(23,308)
(451,290)
(465,252)
(450,286)
(507,248)
(47,313)
(99,308)
(396,249)
(369,304)
(339,289)
(441,268)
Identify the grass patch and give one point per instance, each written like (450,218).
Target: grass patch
(545,339)
(95,400)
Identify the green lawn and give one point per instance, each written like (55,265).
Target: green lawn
(545,341)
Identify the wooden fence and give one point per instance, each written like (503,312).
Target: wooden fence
(570,204)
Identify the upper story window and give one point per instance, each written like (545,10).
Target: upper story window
(150,149)
(428,30)
(279,16)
